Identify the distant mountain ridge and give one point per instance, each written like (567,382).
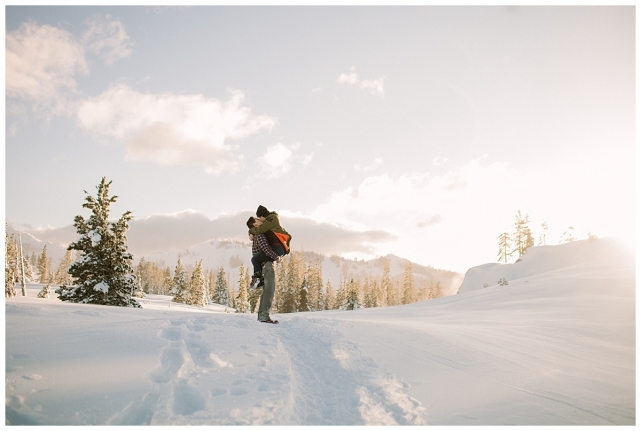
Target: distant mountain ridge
(231,254)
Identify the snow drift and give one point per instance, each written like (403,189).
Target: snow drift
(549,258)
(554,347)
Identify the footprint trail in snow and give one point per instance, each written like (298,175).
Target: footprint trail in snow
(300,373)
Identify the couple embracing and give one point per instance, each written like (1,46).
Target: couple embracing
(269,243)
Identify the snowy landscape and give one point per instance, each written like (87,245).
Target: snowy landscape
(552,344)
(231,254)
(454,188)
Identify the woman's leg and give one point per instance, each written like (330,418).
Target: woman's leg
(257,261)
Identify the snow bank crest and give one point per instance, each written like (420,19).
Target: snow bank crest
(548,258)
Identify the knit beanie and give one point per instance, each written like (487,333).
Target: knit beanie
(262,211)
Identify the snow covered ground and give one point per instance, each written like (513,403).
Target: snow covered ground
(554,346)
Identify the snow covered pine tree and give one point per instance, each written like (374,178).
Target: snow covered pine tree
(104,274)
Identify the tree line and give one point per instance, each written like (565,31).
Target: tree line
(299,283)
(37,269)
(102,272)
(299,286)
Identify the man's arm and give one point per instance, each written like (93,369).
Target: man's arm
(263,245)
(267,225)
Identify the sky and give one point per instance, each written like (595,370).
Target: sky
(415,130)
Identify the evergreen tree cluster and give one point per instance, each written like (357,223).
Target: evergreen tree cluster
(520,240)
(300,287)
(13,267)
(190,289)
(153,277)
(198,287)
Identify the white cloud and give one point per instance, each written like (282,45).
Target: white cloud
(172,129)
(435,217)
(167,232)
(412,195)
(278,160)
(376,163)
(438,161)
(374,86)
(351,78)
(41,62)
(107,38)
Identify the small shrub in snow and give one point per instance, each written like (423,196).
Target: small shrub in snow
(503,282)
(44,293)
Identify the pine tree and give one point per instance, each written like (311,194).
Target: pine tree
(28,270)
(104,274)
(341,295)
(242,300)
(303,296)
(409,293)
(322,299)
(198,291)
(329,297)
(141,275)
(314,279)
(179,284)
(422,294)
(377,294)
(10,265)
(33,260)
(43,266)
(351,300)
(232,297)
(62,276)
(504,247)
(51,275)
(387,287)
(368,294)
(438,290)
(431,290)
(221,294)
(292,282)
(544,233)
(522,235)
(166,281)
